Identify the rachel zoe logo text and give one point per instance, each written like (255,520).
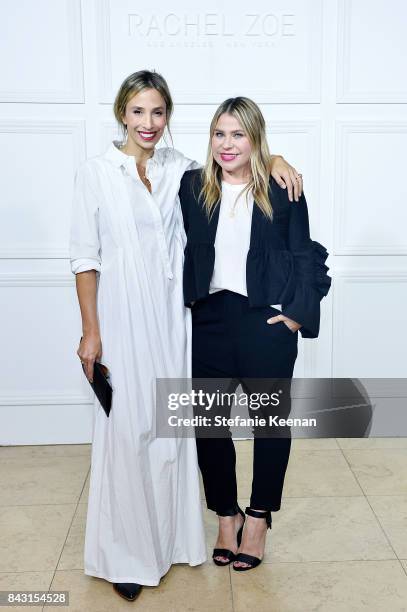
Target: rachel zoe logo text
(204,25)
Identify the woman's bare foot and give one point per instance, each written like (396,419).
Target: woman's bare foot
(253,539)
(228,528)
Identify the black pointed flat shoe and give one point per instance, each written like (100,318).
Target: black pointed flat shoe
(250,559)
(225,552)
(128,590)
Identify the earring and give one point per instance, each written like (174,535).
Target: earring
(125,135)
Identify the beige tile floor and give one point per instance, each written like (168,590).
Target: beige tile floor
(339,543)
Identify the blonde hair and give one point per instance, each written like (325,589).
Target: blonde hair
(132,85)
(252,121)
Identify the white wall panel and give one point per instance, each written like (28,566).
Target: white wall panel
(372,51)
(41,51)
(213,51)
(369,324)
(46,424)
(38,160)
(40,319)
(370,198)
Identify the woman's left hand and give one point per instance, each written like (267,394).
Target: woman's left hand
(286,176)
(292,325)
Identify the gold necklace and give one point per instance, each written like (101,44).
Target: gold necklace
(232,211)
(141,170)
(142,174)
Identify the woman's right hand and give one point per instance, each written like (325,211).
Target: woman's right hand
(89,351)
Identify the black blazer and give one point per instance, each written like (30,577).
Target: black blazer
(284,266)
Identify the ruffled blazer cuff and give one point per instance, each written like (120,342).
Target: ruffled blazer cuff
(312,284)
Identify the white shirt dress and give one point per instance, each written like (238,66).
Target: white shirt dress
(144,510)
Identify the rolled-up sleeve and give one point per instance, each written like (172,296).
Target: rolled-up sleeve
(312,282)
(84,246)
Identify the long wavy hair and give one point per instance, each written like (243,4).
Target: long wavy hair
(132,85)
(250,117)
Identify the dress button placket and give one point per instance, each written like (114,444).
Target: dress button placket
(159,226)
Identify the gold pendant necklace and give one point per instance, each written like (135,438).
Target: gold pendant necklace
(232,211)
(142,174)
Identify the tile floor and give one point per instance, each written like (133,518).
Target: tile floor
(339,543)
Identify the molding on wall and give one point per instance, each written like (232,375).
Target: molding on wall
(76,128)
(76,92)
(343,130)
(355,276)
(310,94)
(344,93)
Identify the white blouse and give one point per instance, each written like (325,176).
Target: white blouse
(232,240)
(156,215)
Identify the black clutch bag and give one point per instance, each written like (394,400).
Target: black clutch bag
(101,385)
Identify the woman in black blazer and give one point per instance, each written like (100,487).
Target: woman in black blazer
(253,277)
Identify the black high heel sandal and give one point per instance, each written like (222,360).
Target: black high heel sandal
(243,557)
(225,552)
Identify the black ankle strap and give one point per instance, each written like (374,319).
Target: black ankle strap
(260,514)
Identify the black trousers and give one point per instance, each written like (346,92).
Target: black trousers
(233,341)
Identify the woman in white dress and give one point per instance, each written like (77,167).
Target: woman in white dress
(126,250)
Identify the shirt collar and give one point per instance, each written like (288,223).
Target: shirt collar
(119,158)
